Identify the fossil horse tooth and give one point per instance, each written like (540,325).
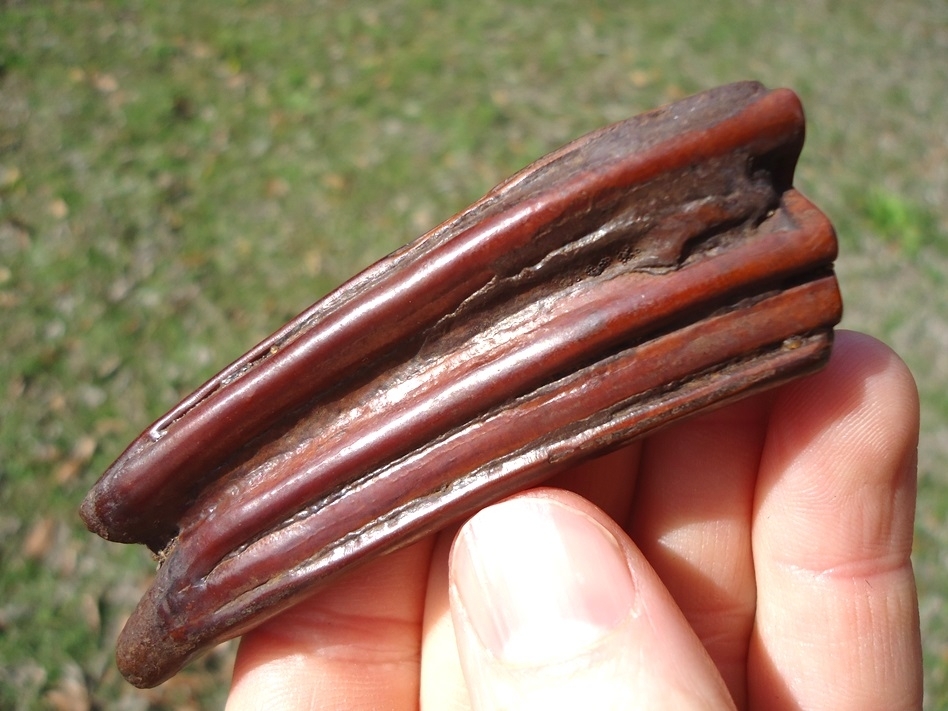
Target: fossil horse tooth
(649,270)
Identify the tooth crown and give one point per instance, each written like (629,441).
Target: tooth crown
(644,272)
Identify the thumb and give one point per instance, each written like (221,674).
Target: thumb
(555,608)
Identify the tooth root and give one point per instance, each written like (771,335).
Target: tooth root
(647,271)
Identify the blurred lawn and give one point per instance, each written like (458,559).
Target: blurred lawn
(177,179)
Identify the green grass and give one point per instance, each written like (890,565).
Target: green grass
(177,179)
(898,220)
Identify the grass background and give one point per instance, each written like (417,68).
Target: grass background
(179,178)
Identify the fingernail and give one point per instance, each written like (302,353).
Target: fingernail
(540,581)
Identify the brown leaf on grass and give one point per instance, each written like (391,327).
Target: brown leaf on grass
(91,614)
(70,694)
(47,541)
(40,538)
(58,209)
(106,83)
(67,471)
(81,453)
(9,176)
(277,188)
(84,448)
(110,426)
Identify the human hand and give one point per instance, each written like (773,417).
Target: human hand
(760,560)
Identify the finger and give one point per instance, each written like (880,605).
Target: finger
(555,608)
(442,682)
(691,519)
(354,645)
(607,481)
(837,616)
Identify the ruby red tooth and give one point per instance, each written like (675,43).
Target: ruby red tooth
(726,287)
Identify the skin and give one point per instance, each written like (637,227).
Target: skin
(755,557)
